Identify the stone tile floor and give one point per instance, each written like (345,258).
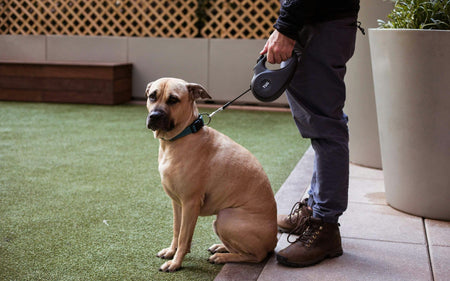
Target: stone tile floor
(379,242)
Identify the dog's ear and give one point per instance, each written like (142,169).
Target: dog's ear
(196,91)
(148,89)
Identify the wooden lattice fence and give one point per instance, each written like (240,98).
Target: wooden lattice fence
(141,18)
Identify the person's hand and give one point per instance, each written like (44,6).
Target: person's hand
(278,47)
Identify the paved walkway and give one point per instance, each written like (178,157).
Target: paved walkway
(379,242)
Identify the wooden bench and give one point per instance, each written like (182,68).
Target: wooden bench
(65,82)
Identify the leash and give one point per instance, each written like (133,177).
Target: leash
(209,116)
(267,85)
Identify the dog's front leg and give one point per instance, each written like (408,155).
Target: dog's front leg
(168,253)
(189,216)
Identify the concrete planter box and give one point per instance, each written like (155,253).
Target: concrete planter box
(412,91)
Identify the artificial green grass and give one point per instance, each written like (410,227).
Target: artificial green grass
(80,193)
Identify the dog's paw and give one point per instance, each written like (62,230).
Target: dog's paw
(218,248)
(170,266)
(218,258)
(166,253)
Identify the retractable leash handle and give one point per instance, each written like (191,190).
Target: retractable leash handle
(268,85)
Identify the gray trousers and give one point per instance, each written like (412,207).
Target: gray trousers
(316,97)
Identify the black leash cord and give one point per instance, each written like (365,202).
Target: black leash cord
(224,106)
(230,102)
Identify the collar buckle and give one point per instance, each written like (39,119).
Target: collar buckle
(197,125)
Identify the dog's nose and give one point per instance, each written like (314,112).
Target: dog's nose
(153,117)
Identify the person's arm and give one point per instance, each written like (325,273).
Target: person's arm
(281,42)
(278,47)
(291,17)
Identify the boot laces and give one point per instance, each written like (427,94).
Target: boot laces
(309,232)
(295,211)
(301,227)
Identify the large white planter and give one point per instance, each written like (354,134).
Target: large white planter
(411,71)
(360,105)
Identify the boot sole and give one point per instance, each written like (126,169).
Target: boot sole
(284,260)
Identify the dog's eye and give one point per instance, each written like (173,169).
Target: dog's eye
(172,100)
(152,97)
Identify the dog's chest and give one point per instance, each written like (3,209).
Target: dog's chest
(177,171)
(168,168)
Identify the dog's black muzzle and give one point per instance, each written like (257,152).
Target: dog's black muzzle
(159,120)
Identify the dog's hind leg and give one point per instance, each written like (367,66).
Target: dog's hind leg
(245,240)
(217,248)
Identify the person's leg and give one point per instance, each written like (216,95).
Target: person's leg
(330,191)
(316,96)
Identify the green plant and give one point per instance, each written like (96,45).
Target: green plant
(202,15)
(419,14)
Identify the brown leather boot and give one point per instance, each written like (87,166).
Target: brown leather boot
(293,222)
(319,241)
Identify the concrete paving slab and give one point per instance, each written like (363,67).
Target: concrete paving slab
(365,173)
(369,191)
(362,260)
(438,233)
(240,272)
(382,223)
(296,184)
(440,261)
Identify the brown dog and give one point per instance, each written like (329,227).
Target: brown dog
(205,173)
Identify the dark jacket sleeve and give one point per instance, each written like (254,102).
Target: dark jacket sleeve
(291,17)
(296,13)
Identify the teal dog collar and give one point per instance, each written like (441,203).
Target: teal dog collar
(191,129)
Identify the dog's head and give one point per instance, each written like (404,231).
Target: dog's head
(171,105)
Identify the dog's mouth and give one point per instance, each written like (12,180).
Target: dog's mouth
(159,120)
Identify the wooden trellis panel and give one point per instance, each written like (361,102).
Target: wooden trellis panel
(153,18)
(171,18)
(240,18)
